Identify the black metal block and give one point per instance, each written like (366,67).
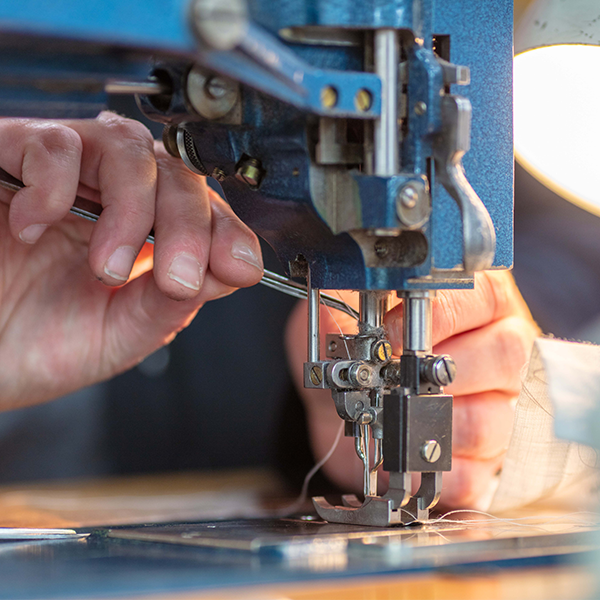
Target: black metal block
(412,421)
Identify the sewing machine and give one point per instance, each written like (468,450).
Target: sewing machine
(337,130)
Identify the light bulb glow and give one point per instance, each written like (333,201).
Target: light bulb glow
(557,119)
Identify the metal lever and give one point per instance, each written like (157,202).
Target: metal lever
(479,237)
(91,211)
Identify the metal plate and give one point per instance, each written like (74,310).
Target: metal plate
(309,541)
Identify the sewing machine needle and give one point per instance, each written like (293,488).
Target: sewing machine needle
(86,209)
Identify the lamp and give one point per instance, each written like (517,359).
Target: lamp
(557,97)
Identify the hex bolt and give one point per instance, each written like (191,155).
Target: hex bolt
(363,375)
(408,196)
(363,100)
(329,97)
(360,375)
(420,108)
(316,375)
(431,451)
(382,351)
(439,370)
(250,172)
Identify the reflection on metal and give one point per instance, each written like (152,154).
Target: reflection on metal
(315,546)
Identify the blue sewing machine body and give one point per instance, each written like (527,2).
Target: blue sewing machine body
(297,79)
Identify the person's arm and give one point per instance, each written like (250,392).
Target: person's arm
(489,333)
(70,315)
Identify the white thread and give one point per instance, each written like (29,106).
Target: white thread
(299,502)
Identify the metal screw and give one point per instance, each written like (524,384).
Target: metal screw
(382,350)
(329,97)
(363,100)
(431,451)
(316,375)
(218,174)
(420,108)
(440,370)
(408,196)
(332,346)
(365,418)
(381,249)
(216,88)
(250,172)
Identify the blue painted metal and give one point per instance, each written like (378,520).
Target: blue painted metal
(279,125)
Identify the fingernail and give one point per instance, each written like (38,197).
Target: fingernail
(118,266)
(185,269)
(32,233)
(245,253)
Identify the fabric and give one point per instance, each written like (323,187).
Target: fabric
(560,397)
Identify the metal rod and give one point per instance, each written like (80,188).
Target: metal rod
(298,290)
(417,323)
(372,308)
(147,88)
(313,322)
(387,58)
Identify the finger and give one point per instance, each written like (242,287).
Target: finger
(470,484)
(491,357)
(482,425)
(118,161)
(494,297)
(235,256)
(47,158)
(182,229)
(141,318)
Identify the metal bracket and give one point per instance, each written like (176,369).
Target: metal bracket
(479,237)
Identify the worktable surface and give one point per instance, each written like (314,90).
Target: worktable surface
(39,568)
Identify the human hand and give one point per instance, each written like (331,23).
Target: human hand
(70,315)
(489,333)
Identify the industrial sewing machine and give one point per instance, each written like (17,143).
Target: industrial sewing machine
(337,130)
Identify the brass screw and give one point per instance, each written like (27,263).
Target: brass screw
(329,97)
(363,100)
(383,350)
(316,375)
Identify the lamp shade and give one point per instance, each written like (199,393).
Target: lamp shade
(557,97)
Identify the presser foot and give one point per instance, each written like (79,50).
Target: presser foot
(375,511)
(397,507)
